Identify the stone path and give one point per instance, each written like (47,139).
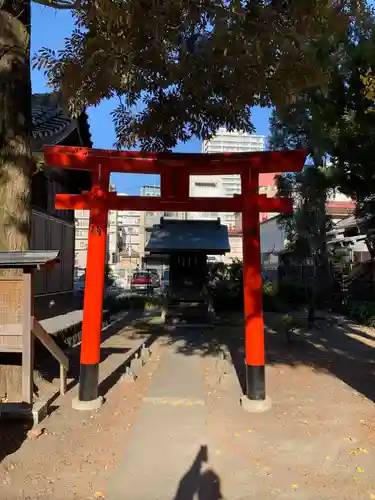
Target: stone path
(169,432)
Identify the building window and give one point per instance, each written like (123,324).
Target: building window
(82,223)
(82,214)
(205,184)
(81,233)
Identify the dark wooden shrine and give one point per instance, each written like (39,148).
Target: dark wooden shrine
(188,243)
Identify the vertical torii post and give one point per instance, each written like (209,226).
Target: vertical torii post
(255,397)
(94,292)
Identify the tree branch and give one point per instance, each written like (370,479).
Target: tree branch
(60,4)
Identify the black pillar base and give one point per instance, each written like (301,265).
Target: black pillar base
(88,382)
(255,382)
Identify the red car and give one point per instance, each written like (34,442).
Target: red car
(142,282)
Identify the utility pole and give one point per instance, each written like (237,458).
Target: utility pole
(129,233)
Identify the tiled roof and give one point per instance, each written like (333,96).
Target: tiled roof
(353,221)
(51,121)
(48,117)
(189,236)
(32,258)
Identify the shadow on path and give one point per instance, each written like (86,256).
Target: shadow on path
(198,484)
(12,435)
(329,347)
(336,347)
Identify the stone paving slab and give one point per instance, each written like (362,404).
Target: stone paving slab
(159,452)
(179,376)
(168,434)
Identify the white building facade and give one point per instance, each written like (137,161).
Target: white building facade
(82,222)
(235,142)
(128,223)
(81,237)
(232,142)
(205,186)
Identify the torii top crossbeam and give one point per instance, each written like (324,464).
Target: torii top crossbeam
(174,169)
(153,163)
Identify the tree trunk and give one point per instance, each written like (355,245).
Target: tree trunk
(312,298)
(16,163)
(323,286)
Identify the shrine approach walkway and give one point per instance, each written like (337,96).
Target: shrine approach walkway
(192,441)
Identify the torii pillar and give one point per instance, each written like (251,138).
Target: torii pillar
(88,397)
(254,399)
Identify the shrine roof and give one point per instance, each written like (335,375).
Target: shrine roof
(172,236)
(29,259)
(51,122)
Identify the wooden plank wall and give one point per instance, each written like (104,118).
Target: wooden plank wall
(52,233)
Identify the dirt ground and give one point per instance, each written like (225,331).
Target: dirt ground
(75,453)
(317,441)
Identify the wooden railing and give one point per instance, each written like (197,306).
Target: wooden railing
(54,349)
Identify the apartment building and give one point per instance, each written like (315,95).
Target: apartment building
(128,227)
(82,223)
(233,142)
(225,141)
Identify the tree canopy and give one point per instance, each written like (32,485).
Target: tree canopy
(306,228)
(184,68)
(338,122)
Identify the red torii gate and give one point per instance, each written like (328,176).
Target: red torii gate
(175,170)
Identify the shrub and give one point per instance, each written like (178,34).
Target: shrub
(289,322)
(361,311)
(270,289)
(294,291)
(118,304)
(228,296)
(272,301)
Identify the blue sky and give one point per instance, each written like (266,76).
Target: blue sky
(49,28)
